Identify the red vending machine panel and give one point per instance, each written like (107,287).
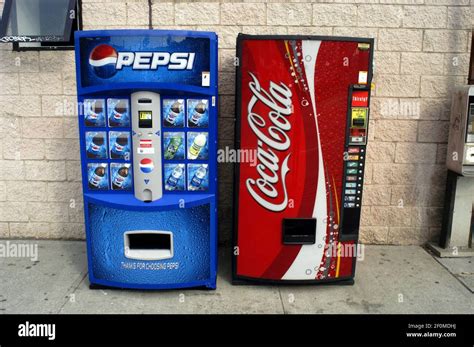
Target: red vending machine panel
(302,119)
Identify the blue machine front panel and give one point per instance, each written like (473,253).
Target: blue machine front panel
(181,66)
(191,241)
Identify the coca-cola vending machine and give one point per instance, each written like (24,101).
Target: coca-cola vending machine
(302,120)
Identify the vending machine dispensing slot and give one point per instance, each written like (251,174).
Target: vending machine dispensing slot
(299,231)
(146,131)
(148,244)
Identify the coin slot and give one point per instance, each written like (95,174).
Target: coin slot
(144,101)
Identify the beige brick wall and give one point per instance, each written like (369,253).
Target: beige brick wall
(421,54)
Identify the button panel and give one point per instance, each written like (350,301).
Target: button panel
(354,176)
(354,160)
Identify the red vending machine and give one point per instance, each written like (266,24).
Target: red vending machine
(302,120)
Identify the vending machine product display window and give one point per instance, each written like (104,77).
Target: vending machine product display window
(148,134)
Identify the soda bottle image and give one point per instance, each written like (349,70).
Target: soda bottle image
(96,178)
(174,177)
(94,113)
(95,147)
(119,148)
(199,111)
(198,178)
(173,146)
(120,178)
(198,144)
(118,114)
(173,113)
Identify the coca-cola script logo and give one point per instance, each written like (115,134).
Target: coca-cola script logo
(271,131)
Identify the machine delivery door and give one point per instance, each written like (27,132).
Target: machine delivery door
(294,112)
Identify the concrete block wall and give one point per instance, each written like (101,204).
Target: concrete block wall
(422,52)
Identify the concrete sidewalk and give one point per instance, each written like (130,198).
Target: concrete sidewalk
(390,279)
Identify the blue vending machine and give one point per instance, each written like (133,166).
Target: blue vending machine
(148,135)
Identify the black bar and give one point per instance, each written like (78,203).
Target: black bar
(262,329)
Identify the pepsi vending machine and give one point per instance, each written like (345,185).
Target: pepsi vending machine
(148,135)
(302,114)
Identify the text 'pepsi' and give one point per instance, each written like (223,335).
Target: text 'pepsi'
(153,60)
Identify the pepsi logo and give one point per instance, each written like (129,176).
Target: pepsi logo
(95,147)
(102,60)
(146,165)
(105,61)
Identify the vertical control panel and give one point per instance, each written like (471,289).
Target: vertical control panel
(354,160)
(146,133)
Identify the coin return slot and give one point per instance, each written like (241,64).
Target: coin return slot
(148,245)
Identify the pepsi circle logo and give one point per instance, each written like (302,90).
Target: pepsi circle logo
(146,165)
(102,60)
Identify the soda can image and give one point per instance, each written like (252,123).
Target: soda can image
(118,112)
(198,113)
(94,112)
(175,177)
(97,176)
(198,147)
(173,144)
(173,113)
(198,177)
(121,176)
(96,145)
(119,145)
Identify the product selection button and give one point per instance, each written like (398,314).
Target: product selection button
(352,164)
(352,150)
(357,139)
